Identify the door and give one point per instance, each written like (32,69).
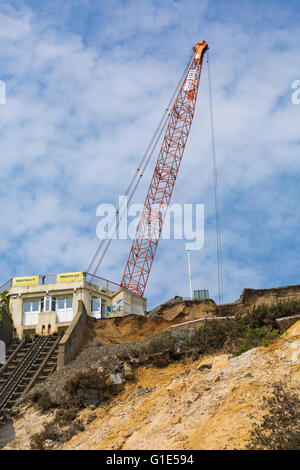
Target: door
(98,308)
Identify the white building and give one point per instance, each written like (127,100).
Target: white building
(45,304)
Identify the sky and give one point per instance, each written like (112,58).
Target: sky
(86,84)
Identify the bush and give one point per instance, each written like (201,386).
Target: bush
(162,342)
(36,442)
(43,401)
(280,426)
(89,380)
(4,305)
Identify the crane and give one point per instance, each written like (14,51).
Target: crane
(144,245)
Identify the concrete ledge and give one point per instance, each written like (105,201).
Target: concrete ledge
(74,338)
(287,322)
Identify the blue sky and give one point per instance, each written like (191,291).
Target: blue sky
(87,82)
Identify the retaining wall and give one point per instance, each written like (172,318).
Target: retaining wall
(74,338)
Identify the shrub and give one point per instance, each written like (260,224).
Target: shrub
(89,380)
(36,442)
(43,401)
(4,305)
(162,342)
(280,426)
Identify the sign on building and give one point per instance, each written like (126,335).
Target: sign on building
(25,281)
(70,277)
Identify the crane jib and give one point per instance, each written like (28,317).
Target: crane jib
(157,200)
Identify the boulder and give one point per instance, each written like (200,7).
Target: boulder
(116,383)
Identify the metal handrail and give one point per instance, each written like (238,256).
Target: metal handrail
(199,319)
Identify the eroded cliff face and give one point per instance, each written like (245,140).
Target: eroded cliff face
(134,328)
(254,297)
(206,404)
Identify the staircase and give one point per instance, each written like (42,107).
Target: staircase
(29,362)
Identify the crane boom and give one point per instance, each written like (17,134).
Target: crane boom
(157,201)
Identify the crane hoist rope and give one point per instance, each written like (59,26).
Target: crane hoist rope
(216,189)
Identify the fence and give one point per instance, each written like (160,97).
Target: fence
(101,282)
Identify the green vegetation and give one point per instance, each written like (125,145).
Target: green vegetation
(236,336)
(43,401)
(4,304)
(85,382)
(280,426)
(83,386)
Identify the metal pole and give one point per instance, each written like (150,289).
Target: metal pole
(190,274)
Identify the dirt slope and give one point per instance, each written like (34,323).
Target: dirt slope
(134,328)
(182,407)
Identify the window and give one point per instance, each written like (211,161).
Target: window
(36,306)
(64,309)
(64,303)
(48,304)
(26,307)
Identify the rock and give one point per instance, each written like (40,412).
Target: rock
(220,362)
(175,388)
(176,420)
(294,352)
(91,403)
(161,359)
(49,444)
(90,418)
(216,379)
(199,386)
(204,366)
(116,383)
(130,372)
(294,330)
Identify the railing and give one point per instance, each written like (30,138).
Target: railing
(6,286)
(52,279)
(189,323)
(100,281)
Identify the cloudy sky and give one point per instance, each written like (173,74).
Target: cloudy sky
(86,84)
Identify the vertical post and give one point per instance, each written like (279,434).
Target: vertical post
(190,274)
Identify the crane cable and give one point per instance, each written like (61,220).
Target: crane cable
(216,190)
(139,172)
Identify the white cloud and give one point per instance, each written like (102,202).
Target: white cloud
(81,108)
